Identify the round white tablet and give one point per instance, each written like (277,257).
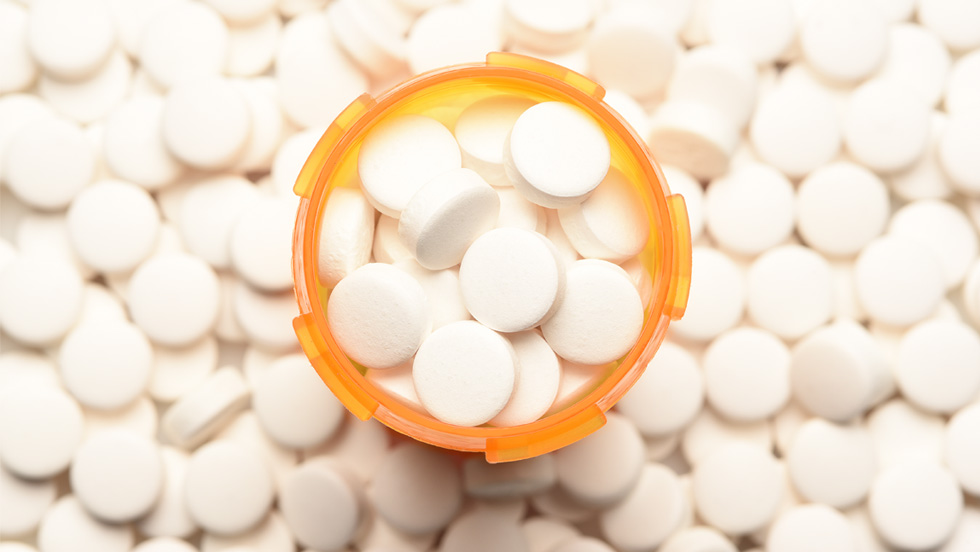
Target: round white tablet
(668,394)
(247,430)
(40,299)
(346,235)
(268,123)
(790,291)
(92,99)
(360,447)
(945,230)
(511,279)
(517,212)
(738,487)
(937,364)
(24,504)
(964,85)
(762,29)
(266,318)
(544,533)
(962,446)
(538,376)
(556,155)
(698,539)
(483,530)
(693,136)
(168,517)
(106,365)
(208,213)
(482,130)
(184,41)
(272,534)
(811,527)
(717,299)
(48,235)
(604,467)
(313,488)
(720,76)
(20,70)
(69,39)
(845,41)
(898,301)
(443,291)
(205,409)
(372,34)
(917,59)
(750,209)
(709,432)
(379,315)
(836,227)
(417,489)
(206,122)
(838,371)
(67,525)
(611,224)
(445,215)
(388,247)
(886,126)
(832,464)
(746,374)
(957,22)
(294,406)
(23,368)
(600,315)
(228,488)
(117,475)
(448,35)
(465,373)
(915,505)
(795,129)
(40,427)
(29,172)
(174,298)
(904,433)
(113,226)
(548,25)
(926,179)
(631,50)
(649,514)
(133,144)
(260,243)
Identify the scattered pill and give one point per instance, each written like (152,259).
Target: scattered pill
(229,488)
(603,468)
(168,517)
(24,504)
(845,41)
(117,475)
(629,524)
(346,235)
(482,131)
(106,366)
(174,299)
(293,406)
(481,531)
(206,123)
(886,126)
(271,534)
(266,318)
(709,432)
(30,174)
(750,210)
(961,448)
(693,136)
(698,539)
(718,76)
(915,505)
(944,230)
(790,291)
(955,21)
(67,526)
(68,39)
(717,300)
(836,227)
(183,42)
(811,526)
(762,29)
(309,491)
(450,34)
(796,129)
(41,427)
(963,85)
(627,37)
(746,374)
(40,299)
(737,487)
(668,395)
(208,213)
(134,146)
(205,409)
(832,464)
(898,281)
(90,100)
(937,364)
(416,490)
(916,58)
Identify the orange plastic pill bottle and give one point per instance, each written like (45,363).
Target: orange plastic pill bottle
(442,95)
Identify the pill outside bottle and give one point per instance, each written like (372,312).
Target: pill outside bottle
(442,95)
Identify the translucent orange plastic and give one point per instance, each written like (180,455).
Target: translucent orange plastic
(443,94)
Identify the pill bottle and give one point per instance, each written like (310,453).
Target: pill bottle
(442,95)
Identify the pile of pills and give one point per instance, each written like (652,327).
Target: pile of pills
(821,393)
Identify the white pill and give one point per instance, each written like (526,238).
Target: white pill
(246,430)
(106,366)
(717,298)
(399,156)
(538,377)
(379,315)
(448,35)
(627,38)
(380,535)
(898,301)
(549,26)
(836,227)
(750,209)
(207,215)
(183,42)
(886,126)
(360,447)
(177,370)
(397,382)
(174,298)
(944,230)
(811,527)
(693,136)
(482,130)
(40,299)
(652,511)
(18,111)
(838,371)
(23,368)
(918,60)
(795,129)
(956,149)
(500,482)
(442,290)
(139,417)
(483,531)
(117,475)
(706,71)
(746,374)
(499,300)
(668,394)
(903,433)
(680,182)
(25,503)
(68,39)
(738,487)
(955,21)
(445,215)
(544,533)
(517,212)
(845,41)
(294,406)
(963,85)
(206,122)
(228,488)
(29,172)
(915,505)
(611,224)
(206,409)
(710,432)
(92,99)
(113,226)
(40,427)
(290,157)
(387,246)
(558,504)
(417,489)
(133,144)
(272,534)
(698,539)
(604,467)
(790,291)
(556,155)
(266,318)
(937,364)
(315,487)
(962,449)
(588,330)
(762,29)
(346,235)
(966,533)
(20,70)
(48,235)
(465,373)
(67,527)
(832,464)
(260,243)
(371,36)
(316,80)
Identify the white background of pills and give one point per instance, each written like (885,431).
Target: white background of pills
(820,394)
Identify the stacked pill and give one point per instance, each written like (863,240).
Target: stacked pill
(821,393)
